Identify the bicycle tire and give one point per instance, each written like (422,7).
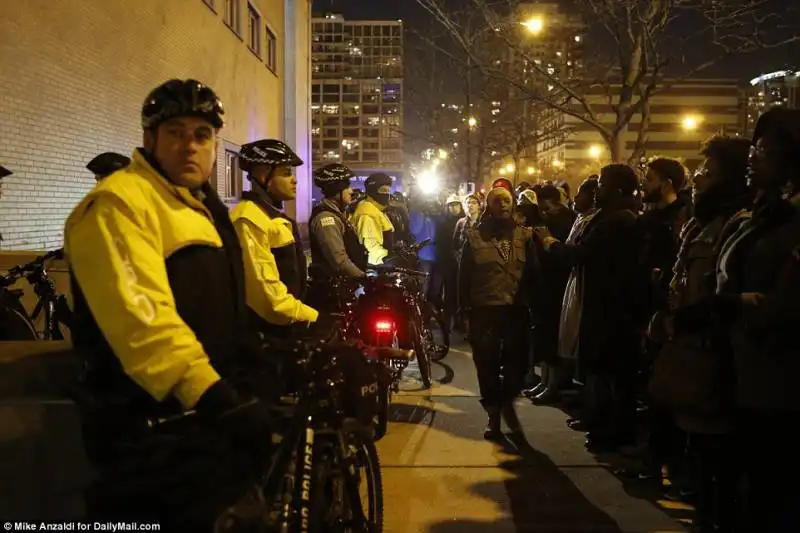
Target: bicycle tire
(440,351)
(370,466)
(15,326)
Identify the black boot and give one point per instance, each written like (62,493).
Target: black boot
(493,429)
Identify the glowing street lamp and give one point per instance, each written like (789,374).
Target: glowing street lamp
(443,154)
(534,25)
(428,182)
(509,168)
(472,122)
(557,163)
(690,122)
(594,151)
(531,170)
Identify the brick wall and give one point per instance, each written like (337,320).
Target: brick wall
(75,73)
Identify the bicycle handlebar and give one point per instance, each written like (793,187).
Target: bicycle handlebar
(19,271)
(389,269)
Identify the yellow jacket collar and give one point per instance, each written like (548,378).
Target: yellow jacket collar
(374,202)
(143,168)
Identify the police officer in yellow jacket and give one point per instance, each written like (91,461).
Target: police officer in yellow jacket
(274,261)
(160,314)
(375,230)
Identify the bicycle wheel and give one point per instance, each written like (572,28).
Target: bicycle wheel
(15,326)
(368,476)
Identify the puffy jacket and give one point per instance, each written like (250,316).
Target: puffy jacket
(374,230)
(265,236)
(132,244)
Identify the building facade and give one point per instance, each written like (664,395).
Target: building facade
(682,117)
(776,89)
(81,71)
(357,94)
(550,50)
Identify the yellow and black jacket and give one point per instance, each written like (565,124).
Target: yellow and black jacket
(274,261)
(375,230)
(158,284)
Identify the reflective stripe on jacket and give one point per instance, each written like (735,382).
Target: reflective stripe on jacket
(120,241)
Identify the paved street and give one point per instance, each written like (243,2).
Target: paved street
(440,476)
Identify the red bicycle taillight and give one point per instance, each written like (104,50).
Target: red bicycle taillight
(384,326)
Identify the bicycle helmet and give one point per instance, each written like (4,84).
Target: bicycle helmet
(333,178)
(107,163)
(453,199)
(181,98)
(270,152)
(4,172)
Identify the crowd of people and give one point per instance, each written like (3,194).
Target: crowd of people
(666,301)
(661,305)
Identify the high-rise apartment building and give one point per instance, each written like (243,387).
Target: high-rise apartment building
(357,94)
(780,88)
(550,48)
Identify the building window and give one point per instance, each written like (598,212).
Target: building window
(233,176)
(232,15)
(210,3)
(253,30)
(272,51)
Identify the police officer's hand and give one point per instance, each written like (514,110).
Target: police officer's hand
(247,422)
(325,326)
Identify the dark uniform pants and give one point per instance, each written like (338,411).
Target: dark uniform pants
(498,336)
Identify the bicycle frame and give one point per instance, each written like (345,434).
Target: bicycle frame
(301,440)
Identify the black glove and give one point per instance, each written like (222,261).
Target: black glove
(247,423)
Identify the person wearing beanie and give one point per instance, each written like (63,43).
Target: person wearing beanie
(494,286)
(106,164)
(504,183)
(335,248)
(375,230)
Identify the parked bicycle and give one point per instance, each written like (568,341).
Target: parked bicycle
(51,307)
(327,455)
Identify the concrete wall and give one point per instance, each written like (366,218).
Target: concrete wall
(75,73)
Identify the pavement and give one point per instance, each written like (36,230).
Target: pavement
(441,476)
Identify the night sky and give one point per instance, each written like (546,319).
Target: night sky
(414,17)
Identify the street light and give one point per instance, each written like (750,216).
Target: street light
(534,25)
(509,168)
(428,181)
(690,122)
(472,122)
(557,163)
(443,154)
(531,170)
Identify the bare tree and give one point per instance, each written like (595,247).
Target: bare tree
(478,120)
(640,49)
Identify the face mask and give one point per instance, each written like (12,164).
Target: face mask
(381,197)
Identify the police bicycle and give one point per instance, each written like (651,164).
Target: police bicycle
(327,456)
(15,323)
(393,309)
